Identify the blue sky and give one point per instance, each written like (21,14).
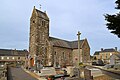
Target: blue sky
(67,17)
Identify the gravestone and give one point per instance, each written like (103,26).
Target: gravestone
(47,72)
(87,74)
(76,72)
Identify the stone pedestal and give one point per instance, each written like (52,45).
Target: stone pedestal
(47,72)
(87,74)
(76,72)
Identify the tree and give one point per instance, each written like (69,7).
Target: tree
(113,21)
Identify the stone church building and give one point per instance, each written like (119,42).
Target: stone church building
(51,51)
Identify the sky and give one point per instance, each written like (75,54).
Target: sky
(67,17)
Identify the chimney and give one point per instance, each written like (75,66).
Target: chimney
(115,48)
(101,49)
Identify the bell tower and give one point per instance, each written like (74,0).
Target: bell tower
(39,35)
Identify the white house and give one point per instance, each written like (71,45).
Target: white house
(114,59)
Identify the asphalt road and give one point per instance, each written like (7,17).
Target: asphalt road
(112,75)
(97,72)
(19,74)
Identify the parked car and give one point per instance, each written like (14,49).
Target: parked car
(117,66)
(108,66)
(100,63)
(94,63)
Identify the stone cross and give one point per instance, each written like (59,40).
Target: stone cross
(79,47)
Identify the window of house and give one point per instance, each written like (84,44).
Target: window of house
(110,54)
(7,57)
(2,57)
(100,57)
(13,58)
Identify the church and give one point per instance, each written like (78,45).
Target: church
(51,51)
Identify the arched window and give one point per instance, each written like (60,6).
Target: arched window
(63,56)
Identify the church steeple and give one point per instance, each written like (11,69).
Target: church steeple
(39,33)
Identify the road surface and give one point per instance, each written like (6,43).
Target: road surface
(99,72)
(112,75)
(19,74)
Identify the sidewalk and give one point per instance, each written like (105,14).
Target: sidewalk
(34,74)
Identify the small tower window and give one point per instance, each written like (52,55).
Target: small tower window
(55,53)
(63,55)
(18,57)
(33,21)
(43,23)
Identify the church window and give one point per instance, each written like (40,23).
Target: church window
(106,56)
(55,53)
(63,56)
(13,58)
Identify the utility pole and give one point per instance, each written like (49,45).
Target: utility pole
(79,47)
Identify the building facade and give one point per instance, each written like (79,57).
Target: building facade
(52,51)
(105,54)
(115,59)
(9,56)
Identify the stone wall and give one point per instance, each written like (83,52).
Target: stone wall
(62,55)
(85,52)
(76,56)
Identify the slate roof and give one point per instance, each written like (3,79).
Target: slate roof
(75,44)
(63,43)
(10,52)
(105,50)
(109,50)
(97,53)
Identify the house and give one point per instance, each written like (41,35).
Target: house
(115,59)
(51,51)
(105,54)
(8,56)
